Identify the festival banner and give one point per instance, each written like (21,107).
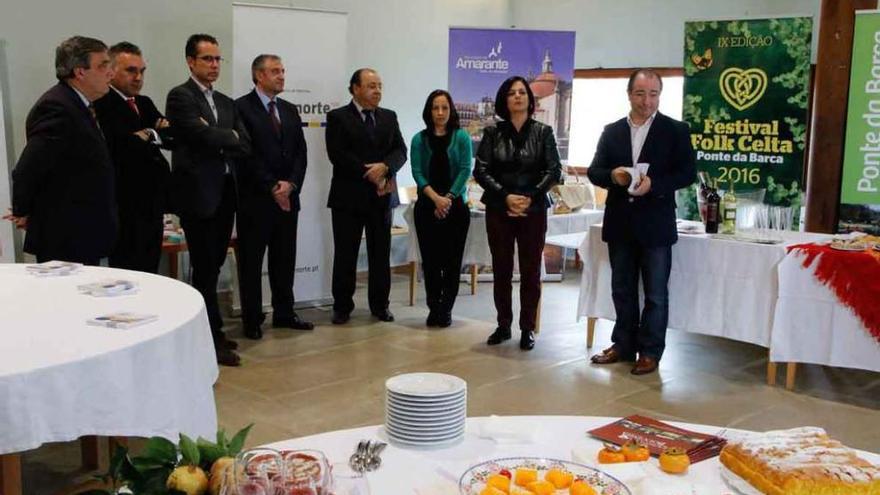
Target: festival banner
(7,248)
(481,59)
(860,184)
(746,91)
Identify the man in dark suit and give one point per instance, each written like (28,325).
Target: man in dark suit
(209,137)
(62,186)
(270,181)
(639,224)
(366,150)
(135,130)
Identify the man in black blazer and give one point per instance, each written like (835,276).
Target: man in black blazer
(366,150)
(270,181)
(135,130)
(639,225)
(62,186)
(209,137)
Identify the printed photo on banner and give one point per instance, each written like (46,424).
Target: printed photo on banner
(746,91)
(860,184)
(481,59)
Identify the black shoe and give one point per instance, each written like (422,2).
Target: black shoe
(384,315)
(228,344)
(527,340)
(226,357)
(432,320)
(294,322)
(500,335)
(444,320)
(253,332)
(340,317)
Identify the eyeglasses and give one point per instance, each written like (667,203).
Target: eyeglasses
(209,59)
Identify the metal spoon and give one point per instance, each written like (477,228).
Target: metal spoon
(356,461)
(373,459)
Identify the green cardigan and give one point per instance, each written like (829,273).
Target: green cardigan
(461,156)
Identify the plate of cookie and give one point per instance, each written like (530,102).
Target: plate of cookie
(539,476)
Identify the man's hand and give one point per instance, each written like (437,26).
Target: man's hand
(19,222)
(281,194)
(620,176)
(517,205)
(162,123)
(376,172)
(144,134)
(644,187)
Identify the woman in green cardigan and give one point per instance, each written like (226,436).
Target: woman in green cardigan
(441,157)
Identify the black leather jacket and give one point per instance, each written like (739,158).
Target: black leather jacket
(510,162)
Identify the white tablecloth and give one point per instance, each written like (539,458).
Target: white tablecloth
(61,378)
(717,287)
(812,326)
(476,248)
(407,471)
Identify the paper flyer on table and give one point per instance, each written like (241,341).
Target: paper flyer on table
(636,174)
(109,288)
(123,320)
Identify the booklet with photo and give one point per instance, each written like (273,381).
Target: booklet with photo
(123,320)
(53,268)
(109,288)
(658,436)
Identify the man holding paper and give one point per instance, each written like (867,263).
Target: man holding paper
(642,160)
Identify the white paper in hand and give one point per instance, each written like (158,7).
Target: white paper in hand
(636,174)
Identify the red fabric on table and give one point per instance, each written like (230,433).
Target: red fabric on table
(853,276)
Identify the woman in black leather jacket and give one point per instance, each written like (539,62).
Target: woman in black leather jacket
(516,164)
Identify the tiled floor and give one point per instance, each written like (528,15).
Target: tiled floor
(298,383)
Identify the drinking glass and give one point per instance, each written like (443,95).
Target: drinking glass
(347,481)
(257,471)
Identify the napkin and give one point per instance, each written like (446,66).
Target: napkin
(636,174)
(508,430)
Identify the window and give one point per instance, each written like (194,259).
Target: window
(599,98)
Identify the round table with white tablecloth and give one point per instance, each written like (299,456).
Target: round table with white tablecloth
(61,378)
(407,471)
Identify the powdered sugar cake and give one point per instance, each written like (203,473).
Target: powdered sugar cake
(800,461)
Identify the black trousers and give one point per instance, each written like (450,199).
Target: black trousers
(527,233)
(645,334)
(139,245)
(208,240)
(441,243)
(348,225)
(263,224)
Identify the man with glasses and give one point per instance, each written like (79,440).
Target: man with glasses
(135,130)
(209,138)
(62,186)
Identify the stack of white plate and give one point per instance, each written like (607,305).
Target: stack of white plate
(425,409)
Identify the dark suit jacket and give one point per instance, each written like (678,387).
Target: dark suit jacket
(64,181)
(142,173)
(273,158)
(202,152)
(649,219)
(350,148)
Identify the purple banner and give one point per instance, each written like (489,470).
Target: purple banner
(481,59)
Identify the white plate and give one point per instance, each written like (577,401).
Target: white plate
(740,485)
(425,384)
(423,416)
(418,405)
(440,421)
(436,398)
(847,248)
(411,437)
(473,480)
(457,406)
(423,429)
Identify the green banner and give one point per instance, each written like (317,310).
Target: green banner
(860,185)
(746,90)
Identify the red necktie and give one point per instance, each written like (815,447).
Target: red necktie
(133,105)
(276,124)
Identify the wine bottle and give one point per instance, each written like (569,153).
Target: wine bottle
(728,207)
(712,209)
(705,186)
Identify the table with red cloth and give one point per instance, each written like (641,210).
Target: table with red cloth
(828,309)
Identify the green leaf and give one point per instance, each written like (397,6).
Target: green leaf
(189,450)
(160,451)
(238,440)
(152,482)
(222,442)
(209,452)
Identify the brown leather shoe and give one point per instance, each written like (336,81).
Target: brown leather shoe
(645,365)
(612,355)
